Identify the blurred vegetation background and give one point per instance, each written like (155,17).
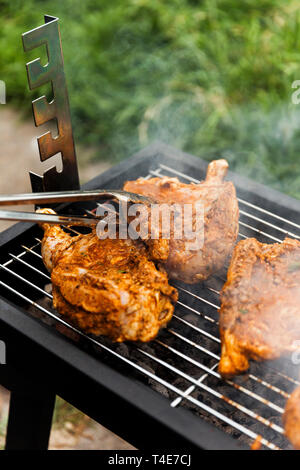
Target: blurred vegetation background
(211,77)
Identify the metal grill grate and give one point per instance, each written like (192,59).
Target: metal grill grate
(182,361)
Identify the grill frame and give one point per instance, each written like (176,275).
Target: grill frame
(51,357)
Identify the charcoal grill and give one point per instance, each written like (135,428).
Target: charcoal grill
(163,394)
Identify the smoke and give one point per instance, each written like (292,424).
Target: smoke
(261,144)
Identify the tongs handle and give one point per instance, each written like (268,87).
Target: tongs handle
(71,196)
(48,218)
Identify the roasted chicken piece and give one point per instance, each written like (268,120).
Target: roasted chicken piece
(291,418)
(219,225)
(107,287)
(260,304)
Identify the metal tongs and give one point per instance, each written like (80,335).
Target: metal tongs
(63,197)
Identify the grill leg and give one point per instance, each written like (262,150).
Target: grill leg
(30,418)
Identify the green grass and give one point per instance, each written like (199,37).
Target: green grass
(211,77)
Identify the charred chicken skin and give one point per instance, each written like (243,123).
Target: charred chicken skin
(291,418)
(219,224)
(260,304)
(107,287)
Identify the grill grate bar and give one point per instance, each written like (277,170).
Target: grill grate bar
(242,235)
(271,214)
(260,232)
(284,376)
(269,224)
(242,389)
(190,389)
(213,290)
(218,376)
(17,258)
(30,250)
(42,291)
(19,255)
(212,391)
(196,296)
(206,317)
(257,379)
(217,340)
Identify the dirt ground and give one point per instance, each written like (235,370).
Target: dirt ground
(19,154)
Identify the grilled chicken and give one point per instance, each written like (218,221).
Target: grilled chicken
(291,418)
(219,224)
(107,287)
(260,304)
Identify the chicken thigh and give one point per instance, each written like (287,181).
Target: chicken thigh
(218,225)
(107,287)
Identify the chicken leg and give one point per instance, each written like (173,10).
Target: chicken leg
(107,287)
(219,224)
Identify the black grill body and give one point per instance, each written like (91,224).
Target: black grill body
(46,358)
